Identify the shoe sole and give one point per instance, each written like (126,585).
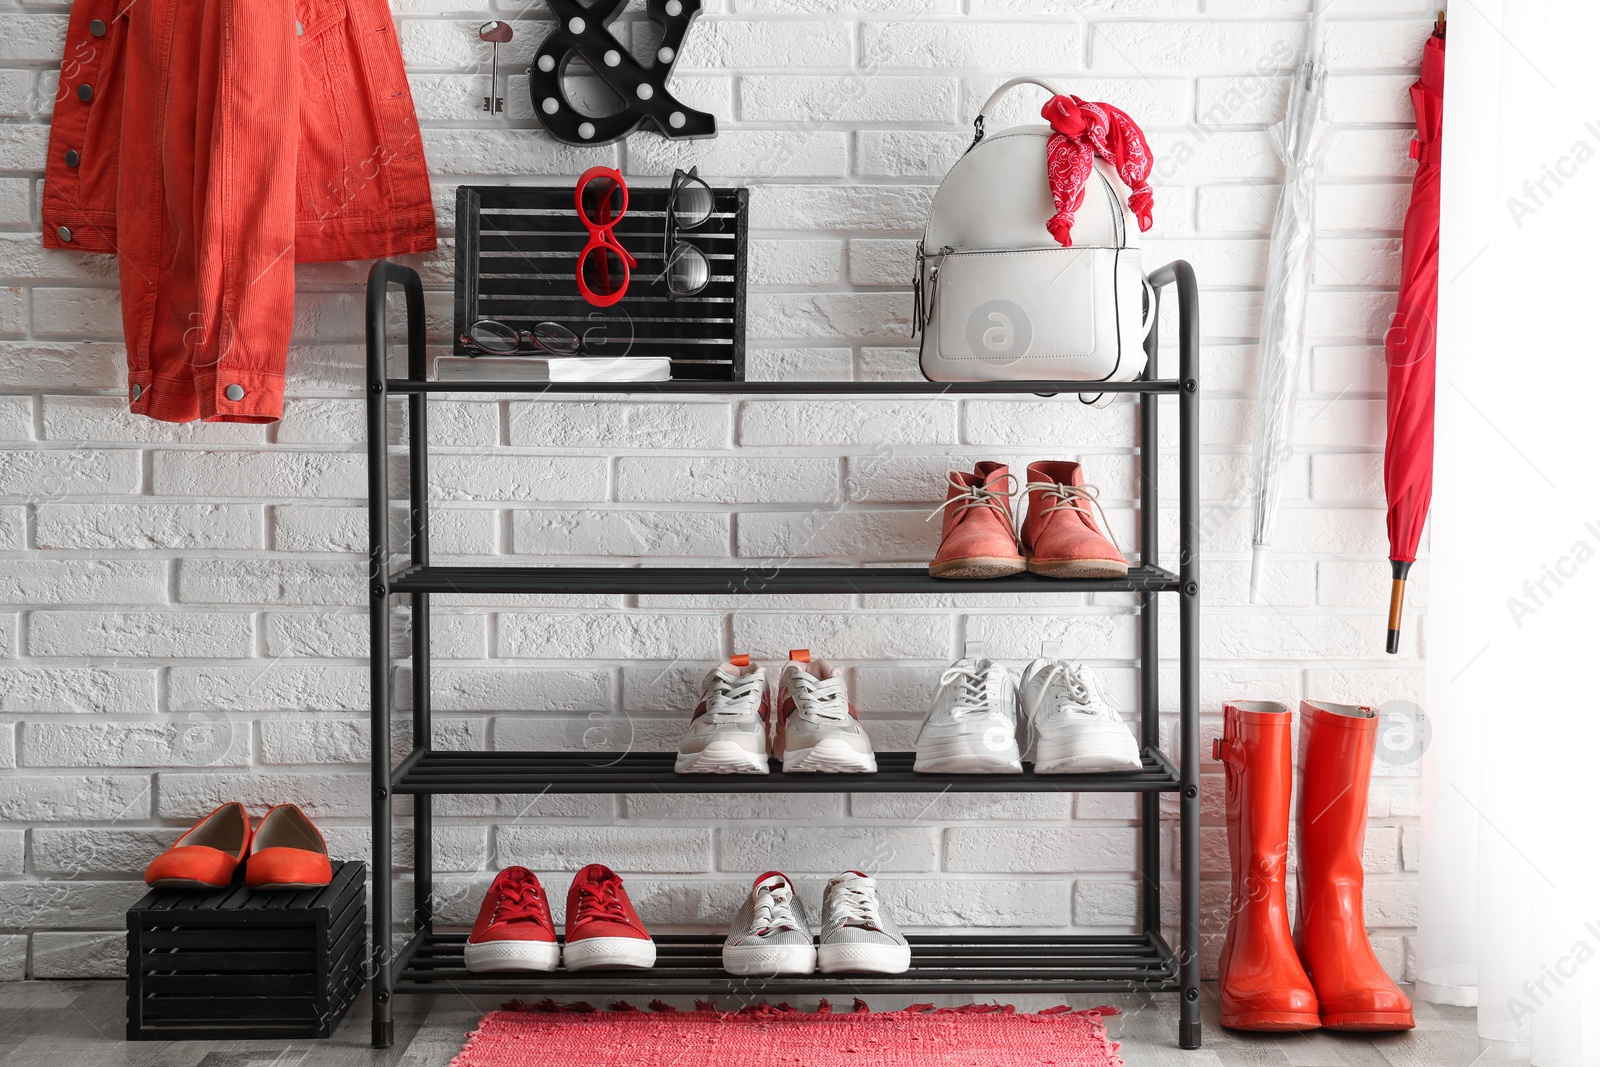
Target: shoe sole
(829,757)
(1098,747)
(958,758)
(864,959)
(185,883)
(275,886)
(722,757)
(769,960)
(1370,1020)
(1272,1021)
(604,953)
(1078,568)
(489,956)
(977,567)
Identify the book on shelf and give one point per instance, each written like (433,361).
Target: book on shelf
(561,369)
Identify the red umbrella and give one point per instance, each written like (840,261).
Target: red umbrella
(1409,346)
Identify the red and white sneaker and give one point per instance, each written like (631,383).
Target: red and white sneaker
(817,728)
(513,931)
(603,930)
(728,734)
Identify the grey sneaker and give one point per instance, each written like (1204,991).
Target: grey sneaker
(1072,724)
(856,934)
(728,734)
(770,935)
(817,730)
(972,726)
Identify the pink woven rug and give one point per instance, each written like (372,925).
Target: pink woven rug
(980,1035)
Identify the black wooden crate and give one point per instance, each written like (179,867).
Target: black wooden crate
(243,963)
(517,256)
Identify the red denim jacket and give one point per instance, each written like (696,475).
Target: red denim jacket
(211,147)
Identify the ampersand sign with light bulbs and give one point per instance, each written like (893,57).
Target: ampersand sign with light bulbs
(582,32)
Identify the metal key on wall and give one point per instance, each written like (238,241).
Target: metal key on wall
(496,34)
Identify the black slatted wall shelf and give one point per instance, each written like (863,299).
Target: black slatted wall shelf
(516,254)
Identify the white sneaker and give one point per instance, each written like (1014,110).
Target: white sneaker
(728,734)
(769,935)
(856,935)
(1073,727)
(972,726)
(817,729)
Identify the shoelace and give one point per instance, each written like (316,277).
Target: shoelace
(818,698)
(979,496)
(774,910)
(520,902)
(1079,498)
(1074,695)
(730,699)
(972,688)
(856,904)
(599,904)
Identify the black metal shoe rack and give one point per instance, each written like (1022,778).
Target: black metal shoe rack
(690,965)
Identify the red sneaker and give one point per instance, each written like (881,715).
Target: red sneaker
(1059,534)
(513,931)
(603,930)
(207,856)
(978,540)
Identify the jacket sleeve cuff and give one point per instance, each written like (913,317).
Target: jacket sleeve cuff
(239,396)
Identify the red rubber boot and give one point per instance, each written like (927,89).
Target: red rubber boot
(1262,985)
(1330,930)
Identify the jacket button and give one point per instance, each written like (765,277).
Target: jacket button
(72,158)
(63,233)
(138,391)
(234,392)
(97,28)
(299,28)
(86,92)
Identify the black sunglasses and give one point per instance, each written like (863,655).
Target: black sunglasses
(686,269)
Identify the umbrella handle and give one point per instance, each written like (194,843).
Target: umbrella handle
(1397,601)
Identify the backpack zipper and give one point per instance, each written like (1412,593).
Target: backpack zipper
(919,313)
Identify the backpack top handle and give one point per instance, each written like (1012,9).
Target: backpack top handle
(994,98)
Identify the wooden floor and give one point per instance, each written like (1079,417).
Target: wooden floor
(80,1024)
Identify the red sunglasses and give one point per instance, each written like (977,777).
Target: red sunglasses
(599,280)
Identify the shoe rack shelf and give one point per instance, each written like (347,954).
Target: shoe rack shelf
(691,965)
(430,960)
(651,772)
(735,580)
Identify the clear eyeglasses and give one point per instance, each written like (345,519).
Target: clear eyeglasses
(498,339)
(689,204)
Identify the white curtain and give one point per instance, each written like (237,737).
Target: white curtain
(1509,916)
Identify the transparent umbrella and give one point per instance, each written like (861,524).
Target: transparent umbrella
(1301,138)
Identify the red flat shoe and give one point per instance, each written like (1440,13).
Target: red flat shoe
(287,852)
(207,856)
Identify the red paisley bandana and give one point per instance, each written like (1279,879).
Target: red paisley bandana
(1085,129)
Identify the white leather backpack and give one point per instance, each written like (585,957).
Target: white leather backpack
(998,298)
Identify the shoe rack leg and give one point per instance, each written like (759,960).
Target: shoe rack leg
(1189,651)
(378,682)
(421,652)
(1149,644)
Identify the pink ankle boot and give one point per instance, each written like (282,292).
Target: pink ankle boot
(978,540)
(1059,534)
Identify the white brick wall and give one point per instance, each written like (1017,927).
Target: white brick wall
(181,612)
